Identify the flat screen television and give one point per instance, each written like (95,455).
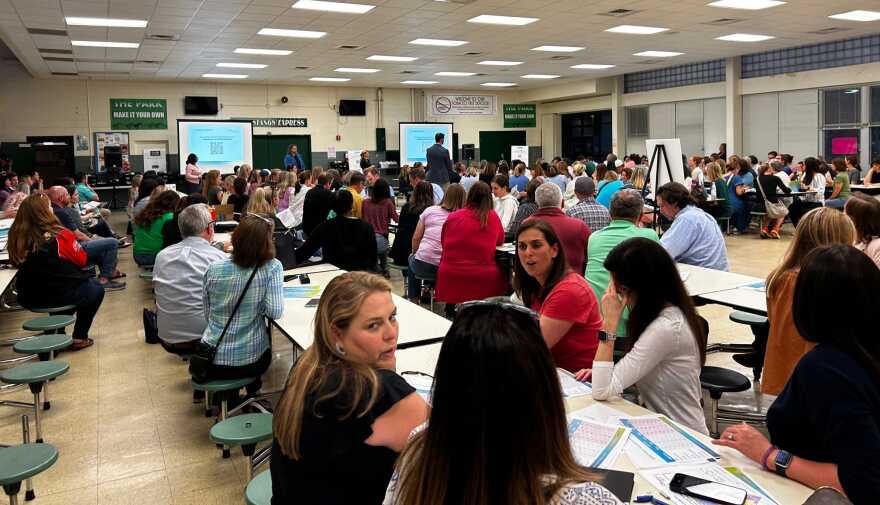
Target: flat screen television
(352,107)
(200,105)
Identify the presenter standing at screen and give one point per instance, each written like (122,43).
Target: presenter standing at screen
(293,160)
(439,162)
(193,175)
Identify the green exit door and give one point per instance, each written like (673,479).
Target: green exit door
(269,150)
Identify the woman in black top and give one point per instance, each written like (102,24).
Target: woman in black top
(769,182)
(171,230)
(239,198)
(345,241)
(825,425)
(344,414)
(421,198)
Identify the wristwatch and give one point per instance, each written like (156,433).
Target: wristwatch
(782,461)
(604,336)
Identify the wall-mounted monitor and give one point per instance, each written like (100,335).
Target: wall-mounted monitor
(352,107)
(200,105)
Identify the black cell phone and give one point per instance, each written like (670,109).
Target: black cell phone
(703,489)
(290,277)
(304,279)
(313,302)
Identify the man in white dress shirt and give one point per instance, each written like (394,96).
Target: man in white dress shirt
(178,278)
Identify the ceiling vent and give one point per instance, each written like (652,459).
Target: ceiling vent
(301,68)
(45,31)
(349,46)
(57,58)
(722,21)
(99,60)
(64,73)
(618,13)
(826,31)
(408,72)
(149,62)
(159,36)
(472,53)
(56,51)
(560,57)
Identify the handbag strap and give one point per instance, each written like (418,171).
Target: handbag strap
(237,304)
(761,189)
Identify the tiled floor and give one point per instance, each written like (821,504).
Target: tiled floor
(128,432)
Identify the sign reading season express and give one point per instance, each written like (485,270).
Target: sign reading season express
(520,115)
(277,122)
(138,114)
(463,105)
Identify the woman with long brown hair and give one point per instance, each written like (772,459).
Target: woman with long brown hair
(148,225)
(421,198)
(211,189)
(344,414)
(50,265)
(473,451)
(865,214)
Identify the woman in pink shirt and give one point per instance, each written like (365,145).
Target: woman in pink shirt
(193,174)
(379,210)
(426,239)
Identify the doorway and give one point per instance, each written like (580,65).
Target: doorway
(495,146)
(270,150)
(586,134)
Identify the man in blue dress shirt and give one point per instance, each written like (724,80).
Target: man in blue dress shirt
(694,237)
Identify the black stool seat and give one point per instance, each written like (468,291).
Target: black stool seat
(719,380)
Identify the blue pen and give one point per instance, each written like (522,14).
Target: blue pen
(649,499)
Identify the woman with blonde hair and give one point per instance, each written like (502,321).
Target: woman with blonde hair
(578,170)
(244,171)
(260,202)
(228,185)
(344,414)
(784,345)
(719,206)
(288,187)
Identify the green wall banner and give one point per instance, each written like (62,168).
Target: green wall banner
(278,122)
(138,114)
(520,115)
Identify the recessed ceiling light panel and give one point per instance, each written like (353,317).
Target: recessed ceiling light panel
(558,49)
(658,54)
(857,16)
(100,43)
(637,30)
(418,82)
(268,52)
(438,42)
(744,37)
(329,79)
(500,63)
(455,74)
(116,23)
(402,59)
(592,66)
(351,70)
(498,84)
(242,65)
(502,20)
(225,76)
(345,8)
(752,5)
(300,34)
(539,76)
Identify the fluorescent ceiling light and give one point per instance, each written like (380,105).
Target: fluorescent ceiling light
(270,52)
(658,54)
(379,57)
(500,63)
(744,37)
(330,79)
(558,49)
(242,65)
(455,74)
(539,76)
(751,5)
(320,5)
(418,82)
(438,42)
(502,20)
(637,30)
(357,70)
(116,23)
(857,16)
(498,84)
(592,66)
(99,43)
(302,34)
(225,76)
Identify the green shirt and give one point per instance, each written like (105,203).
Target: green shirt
(601,243)
(149,240)
(842,178)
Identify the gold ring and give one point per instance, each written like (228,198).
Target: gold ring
(731,437)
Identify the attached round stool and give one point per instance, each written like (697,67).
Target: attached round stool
(752,320)
(259,489)
(148,275)
(246,430)
(428,282)
(54,310)
(44,346)
(403,271)
(717,381)
(738,316)
(49,324)
(34,375)
(221,386)
(21,462)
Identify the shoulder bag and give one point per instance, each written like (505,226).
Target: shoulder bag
(776,210)
(200,362)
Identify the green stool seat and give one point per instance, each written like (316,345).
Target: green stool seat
(259,489)
(20,462)
(395,266)
(30,373)
(750,319)
(243,430)
(223,385)
(54,310)
(148,275)
(41,344)
(49,323)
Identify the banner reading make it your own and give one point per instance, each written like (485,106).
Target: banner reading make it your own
(463,105)
(138,114)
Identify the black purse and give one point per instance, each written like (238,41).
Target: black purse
(202,359)
(151,327)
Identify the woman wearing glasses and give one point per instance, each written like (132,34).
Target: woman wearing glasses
(570,319)
(669,346)
(344,414)
(244,350)
(472,450)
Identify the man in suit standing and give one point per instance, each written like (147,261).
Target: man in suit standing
(439,162)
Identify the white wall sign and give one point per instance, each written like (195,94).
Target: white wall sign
(520,153)
(463,105)
(354,161)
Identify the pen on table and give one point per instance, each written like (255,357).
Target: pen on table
(649,499)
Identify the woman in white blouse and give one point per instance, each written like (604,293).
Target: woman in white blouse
(669,342)
(504,203)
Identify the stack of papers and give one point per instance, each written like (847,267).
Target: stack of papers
(571,387)
(661,442)
(304,291)
(732,476)
(595,444)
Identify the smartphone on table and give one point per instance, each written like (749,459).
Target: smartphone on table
(703,489)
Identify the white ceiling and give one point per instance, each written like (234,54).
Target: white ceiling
(207,32)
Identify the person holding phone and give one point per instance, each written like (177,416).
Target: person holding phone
(825,425)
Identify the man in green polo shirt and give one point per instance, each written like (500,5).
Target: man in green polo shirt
(626,211)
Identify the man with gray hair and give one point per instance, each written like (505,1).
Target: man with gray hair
(588,210)
(573,233)
(626,213)
(179,277)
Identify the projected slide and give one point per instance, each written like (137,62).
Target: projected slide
(220,145)
(416,138)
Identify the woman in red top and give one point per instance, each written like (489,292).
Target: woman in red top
(570,320)
(467,264)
